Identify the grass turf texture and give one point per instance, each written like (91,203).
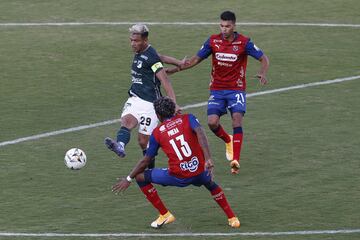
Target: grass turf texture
(300,155)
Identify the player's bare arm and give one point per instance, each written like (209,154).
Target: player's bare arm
(165,81)
(188,63)
(264,60)
(172,60)
(200,133)
(124,183)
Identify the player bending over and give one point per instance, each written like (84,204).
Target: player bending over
(184,142)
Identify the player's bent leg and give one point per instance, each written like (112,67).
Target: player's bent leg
(144,182)
(143,143)
(219,197)
(218,130)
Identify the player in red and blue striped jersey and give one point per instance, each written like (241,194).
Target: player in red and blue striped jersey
(189,162)
(229,51)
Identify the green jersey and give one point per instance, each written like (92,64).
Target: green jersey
(145,84)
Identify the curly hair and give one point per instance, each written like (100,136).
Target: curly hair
(164,107)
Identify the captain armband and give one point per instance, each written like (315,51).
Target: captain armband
(156,66)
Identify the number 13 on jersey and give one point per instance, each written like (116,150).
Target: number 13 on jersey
(184,150)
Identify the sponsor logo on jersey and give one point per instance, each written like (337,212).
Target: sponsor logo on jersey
(174,123)
(135,73)
(227,57)
(191,165)
(162,128)
(136,80)
(224,64)
(239,42)
(144,57)
(217,41)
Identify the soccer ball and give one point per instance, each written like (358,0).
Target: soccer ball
(75,158)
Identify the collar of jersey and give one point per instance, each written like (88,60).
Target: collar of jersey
(236,34)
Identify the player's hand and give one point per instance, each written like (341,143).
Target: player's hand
(120,186)
(209,166)
(184,62)
(262,78)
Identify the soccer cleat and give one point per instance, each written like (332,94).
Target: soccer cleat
(234,222)
(235,166)
(162,220)
(115,147)
(229,149)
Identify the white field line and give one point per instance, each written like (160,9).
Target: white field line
(74,129)
(316,232)
(286,24)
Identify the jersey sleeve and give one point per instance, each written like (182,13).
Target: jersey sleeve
(153,148)
(205,51)
(194,122)
(155,62)
(253,50)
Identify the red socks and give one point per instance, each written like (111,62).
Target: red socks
(221,133)
(220,198)
(237,142)
(153,197)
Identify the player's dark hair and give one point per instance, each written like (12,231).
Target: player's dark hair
(144,35)
(228,16)
(164,107)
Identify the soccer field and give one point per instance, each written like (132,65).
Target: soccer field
(300,168)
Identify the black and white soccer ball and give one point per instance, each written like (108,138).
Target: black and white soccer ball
(75,158)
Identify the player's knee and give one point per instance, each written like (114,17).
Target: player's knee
(211,185)
(237,119)
(213,121)
(140,179)
(129,122)
(143,143)
(213,124)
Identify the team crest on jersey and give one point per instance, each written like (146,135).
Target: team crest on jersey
(235,48)
(139,64)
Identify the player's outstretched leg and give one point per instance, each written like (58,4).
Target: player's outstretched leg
(116,147)
(165,216)
(219,197)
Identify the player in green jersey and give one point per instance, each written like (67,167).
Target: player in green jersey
(147,73)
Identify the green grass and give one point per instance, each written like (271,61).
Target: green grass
(300,159)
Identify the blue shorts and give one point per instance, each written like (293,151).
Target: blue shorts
(221,100)
(161,176)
